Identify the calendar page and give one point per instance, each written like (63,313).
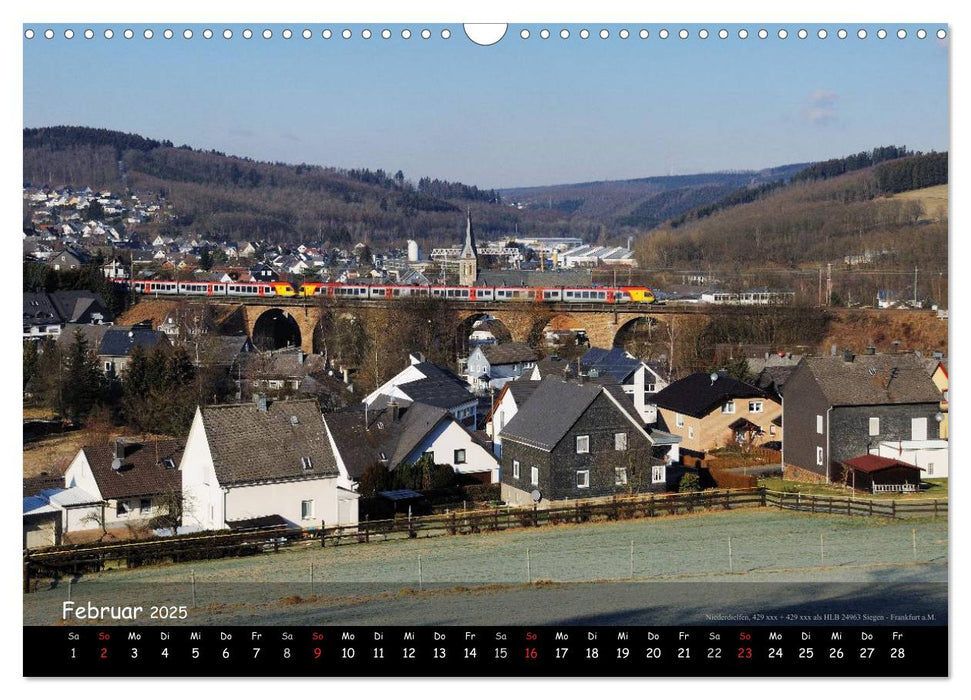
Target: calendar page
(536,349)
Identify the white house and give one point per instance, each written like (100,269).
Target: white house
(131,482)
(639,380)
(268,458)
(426,382)
(494,365)
(396,435)
(929,455)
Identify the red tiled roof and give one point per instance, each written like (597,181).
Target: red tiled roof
(873,463)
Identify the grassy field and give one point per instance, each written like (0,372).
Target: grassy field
(937,488)
(933,199)
(766,546)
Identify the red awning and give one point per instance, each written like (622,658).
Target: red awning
(873,463)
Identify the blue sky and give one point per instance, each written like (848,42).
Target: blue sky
(522,112)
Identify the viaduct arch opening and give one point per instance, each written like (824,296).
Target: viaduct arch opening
(275,329)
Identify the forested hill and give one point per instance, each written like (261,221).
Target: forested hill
(239,198)
(645,202)
(844,207)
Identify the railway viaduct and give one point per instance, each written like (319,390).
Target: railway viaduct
(525,322)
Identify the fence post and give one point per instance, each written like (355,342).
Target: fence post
(762,496)
(367,529)
(893,509)
(650,506)
(831,504)
(935,507)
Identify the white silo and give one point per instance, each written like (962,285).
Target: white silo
(413,252)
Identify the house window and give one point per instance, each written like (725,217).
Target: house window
(107,366)
(691,433)
(583,479)
(534,476)
(515,469)
(658,474)
(679,420)
(650,388)
(459,456)
(307,464)
(122,509)
(819,456)
(583,444)
(145,505)
(930,469)
(918,428)
(755,406)
(874,426)
(819,425)
(771,430)
(620,476)
(729,407)
(307,509)
(620,441)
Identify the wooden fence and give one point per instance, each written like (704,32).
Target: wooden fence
(834,505)
(86,558)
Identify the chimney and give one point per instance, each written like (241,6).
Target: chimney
(300,357)
(848,356)
(261,404)
(347,376)
(120,445)
(395,411)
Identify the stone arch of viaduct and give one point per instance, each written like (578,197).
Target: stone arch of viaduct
(525,324)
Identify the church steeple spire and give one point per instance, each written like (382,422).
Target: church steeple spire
(469,250)
(468,263)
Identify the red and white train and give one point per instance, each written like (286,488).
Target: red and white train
(570,295)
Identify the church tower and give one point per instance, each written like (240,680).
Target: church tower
(468,263)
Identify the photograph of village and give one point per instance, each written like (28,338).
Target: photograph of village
(401,329)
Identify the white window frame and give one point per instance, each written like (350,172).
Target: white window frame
(455,454)
(620,476)
(728,407)
(658,474)
(679,420)
(515,469)
(756,406)
(306,463)
(583,478)
(585,443)
(874,425)
(620,442)
(121,509)
(307,509)
(819,424)
(819,456)
(534,476)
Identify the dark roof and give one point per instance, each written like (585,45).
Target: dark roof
(400,495)
(696,395)
(33,485)
(291,363)
(77,306)
(552,366)
(615,362)
(39,309)
(213,349)
(119,342)
(743,424)
(93,333)
(874,463)
(444,393)
(508,353)
(248,445)
(383,439)
(259,523)
(522,389)
(774,378)
(550,412)
(143,471)
(872,380)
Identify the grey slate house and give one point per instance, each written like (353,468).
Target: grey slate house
(577,440)
(839,408)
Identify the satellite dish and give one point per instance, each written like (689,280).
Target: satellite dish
(536,495)
(116,464)
(713,377)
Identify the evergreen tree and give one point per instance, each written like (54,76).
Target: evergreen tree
(83,381)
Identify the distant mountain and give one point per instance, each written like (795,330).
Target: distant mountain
(645,202)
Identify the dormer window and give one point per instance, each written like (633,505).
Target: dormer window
(307,464)
(168,463)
